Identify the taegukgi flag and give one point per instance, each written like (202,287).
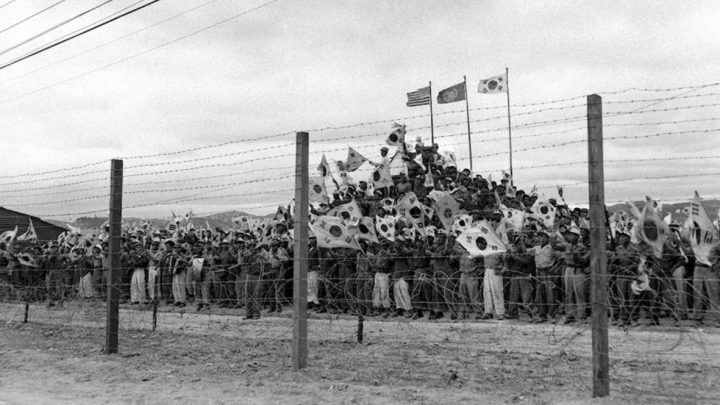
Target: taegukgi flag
(481,240)
(354,160)
(397,136)
(381,177)
(349,213)
(332,233)
(364,229)
(497,84)
(410,207)
(324,167)
(445,206)
(318,192)
(652,230)
(544,212)
(700,230)
(386,227)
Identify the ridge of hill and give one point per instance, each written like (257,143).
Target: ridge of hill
(219,220)
(712,208)
(224,219)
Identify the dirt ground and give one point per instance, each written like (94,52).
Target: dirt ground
(218,358)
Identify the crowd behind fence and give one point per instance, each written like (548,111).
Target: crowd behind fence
(414,279)
(416,275)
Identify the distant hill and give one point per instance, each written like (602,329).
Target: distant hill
(224,219)
(711,206)
(220,220)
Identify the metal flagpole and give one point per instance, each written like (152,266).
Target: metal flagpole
(432,127)
(467,112)
(507,92)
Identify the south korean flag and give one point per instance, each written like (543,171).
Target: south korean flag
(332,233)
(364,229)
(397,136)
(497,84)
(544,212)
(388,204)
(381,177)
(513,217)
(462,223)
(318,192)
(350,213)
(481,240)
(410,208)
(385,227)
(429,212)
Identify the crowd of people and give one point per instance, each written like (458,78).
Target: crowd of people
(419,239)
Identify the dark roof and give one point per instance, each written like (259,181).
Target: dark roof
(45,230)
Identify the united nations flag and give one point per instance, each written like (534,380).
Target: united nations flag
(452,94)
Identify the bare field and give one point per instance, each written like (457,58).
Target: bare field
(218,358)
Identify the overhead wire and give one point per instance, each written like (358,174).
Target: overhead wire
(73,56)
(7,3)
(138,54)
(31,16)
(78,33)
(54,27)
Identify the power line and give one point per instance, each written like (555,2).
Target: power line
(117,62)
(54,27)
(7,4)
(31,16)
(111,42)
(73,36)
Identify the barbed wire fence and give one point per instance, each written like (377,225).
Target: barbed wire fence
(257,175)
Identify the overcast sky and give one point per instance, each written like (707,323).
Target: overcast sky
(303,65)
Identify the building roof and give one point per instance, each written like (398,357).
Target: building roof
(45,230)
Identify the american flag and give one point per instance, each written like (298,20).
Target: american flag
(419,97)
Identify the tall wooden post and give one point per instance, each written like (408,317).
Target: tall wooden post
(598,257)
(113,292)
(299,352)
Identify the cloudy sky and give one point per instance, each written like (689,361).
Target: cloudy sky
(226,84)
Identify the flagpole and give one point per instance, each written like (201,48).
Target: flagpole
(432,127)
(507,92)
(467,113)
